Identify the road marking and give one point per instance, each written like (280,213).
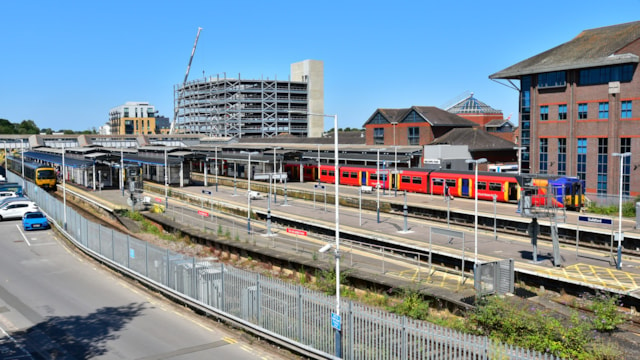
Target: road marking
(23,235)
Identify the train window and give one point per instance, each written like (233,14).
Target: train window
(324,172)
(354,175)
(495,186)
(438,182)
(406,179)
(345,174)
(332,173)
(417,180)
(373,176)
(451,182)
(482,185)
(307,171)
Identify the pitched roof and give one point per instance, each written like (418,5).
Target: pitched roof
(471,105)
(431,114)
(594,47)
(476,139)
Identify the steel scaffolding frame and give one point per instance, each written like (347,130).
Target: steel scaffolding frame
(237,107)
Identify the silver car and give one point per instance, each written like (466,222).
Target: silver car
(16,209)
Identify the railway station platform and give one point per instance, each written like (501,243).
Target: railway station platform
(594,269)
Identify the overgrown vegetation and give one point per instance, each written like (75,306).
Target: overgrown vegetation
(147,226)
(628,208)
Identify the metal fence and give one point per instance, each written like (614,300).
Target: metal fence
(290,312)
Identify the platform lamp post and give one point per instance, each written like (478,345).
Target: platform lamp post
(166,183)
(519,148)
(395,155)
(475,230)
(620,236)
(22,158)
(249,188)
(338,329)
(378,184)
(216,152)
(4,143)
(64,190)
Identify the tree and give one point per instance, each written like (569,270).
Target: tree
(27,127)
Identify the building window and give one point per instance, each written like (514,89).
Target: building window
(552,79)
(582,159)
(562,156)
(625,146)
(583,110)
(378,136)
(413,136)
(562,112)
(603,110)
(603,158)
(544,155)
(625,110)
(379,119)
(606,74)
(544,112)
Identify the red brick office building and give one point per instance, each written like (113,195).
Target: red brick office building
(580,105)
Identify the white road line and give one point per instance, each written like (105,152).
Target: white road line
(23,235)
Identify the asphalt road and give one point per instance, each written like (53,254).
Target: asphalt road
(57,304)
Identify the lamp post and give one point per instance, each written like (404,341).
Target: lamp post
(216,149)
(22,158)
(475,195)
(64,190)
(122,170)
(378,184)
(338,330)
(620,236)
(166,183)
(249,188)
(519,148)
(395,155)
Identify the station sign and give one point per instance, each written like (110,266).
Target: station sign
(203,213)
(595,220)
(296,232)
(336,321)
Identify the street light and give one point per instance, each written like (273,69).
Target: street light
(378,184)
(64,190)
(22,158)
(338,331)
(249,189)
(620,236)
(475,194)
(166,182)
(216,149)
(519,148)
(395,154)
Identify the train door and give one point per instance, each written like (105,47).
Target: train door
(363,178)
(464,183)
(513,191)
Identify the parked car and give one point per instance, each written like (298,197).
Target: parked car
(4,194)
(16,209)
(34,220)
(6,199)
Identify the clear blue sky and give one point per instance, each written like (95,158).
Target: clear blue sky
(64,64)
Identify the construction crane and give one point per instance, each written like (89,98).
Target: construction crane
(184,83)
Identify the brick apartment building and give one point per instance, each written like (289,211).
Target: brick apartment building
(580,105)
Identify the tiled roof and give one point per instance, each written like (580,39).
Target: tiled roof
(433,115)
(594,47)
(476,139)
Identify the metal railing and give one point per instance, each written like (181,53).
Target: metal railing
(292,314)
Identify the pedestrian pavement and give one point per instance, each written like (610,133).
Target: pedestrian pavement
(596,268)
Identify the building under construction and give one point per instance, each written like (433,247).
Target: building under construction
(221,106)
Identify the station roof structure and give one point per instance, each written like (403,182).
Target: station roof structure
(471,105)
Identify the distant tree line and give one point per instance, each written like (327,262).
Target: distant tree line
(28,127)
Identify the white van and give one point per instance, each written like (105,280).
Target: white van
(16,209)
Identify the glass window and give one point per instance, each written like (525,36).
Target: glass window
(562,156)
(605,74)
(602,165)
(438,182)
(562,112)
(378,136)
(544,112)
(625,146)
(417,180)
(493,186)
(345,174)
(405,179)
(603,110)
(552,79)
(544,155)
(413,136)
(582,159)
(625,110)
(354,175)
(451,182)
(482,185)
(583,110)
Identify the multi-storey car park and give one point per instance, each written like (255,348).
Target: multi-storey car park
(221,106)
